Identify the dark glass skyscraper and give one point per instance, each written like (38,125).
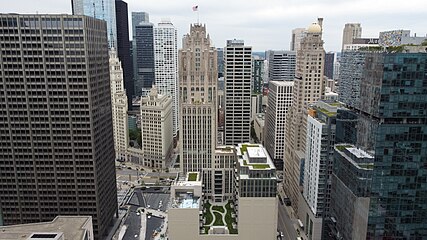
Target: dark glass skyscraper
(56,139)
(123,48)
(144,50)
(328,71)
(392,125)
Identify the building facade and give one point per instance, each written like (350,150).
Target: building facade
(156,127)
(308,88)
(350,32)
(99,9)
(119,107)
(281,65)
(237,80)
(123,48)
(258,75)
(280,97)
(166,65)
(57,146)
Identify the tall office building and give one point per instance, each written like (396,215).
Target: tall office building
(308,88)
(350,32)
(137,18)
(99,9)
(237,80)
(198,76)
(279,100)
(143,53)
(123,48)
(56,148)
(119,107)
(314,202)
(258,75)
(329,65)
(297,35)
(156,127)
(220,52)
(281,65)
(391,121)
(166,65)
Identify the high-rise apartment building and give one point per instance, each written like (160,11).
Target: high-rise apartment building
(198,78)
(166,65)
(350,32)
(279,100)
(329,65)
(143,53)
(237,80)
(391,120)
(123,48)
(281,65)
(119,107)
(56,147)
(99,9)
(314,202)
(156,127)
(308,88)
(297,35)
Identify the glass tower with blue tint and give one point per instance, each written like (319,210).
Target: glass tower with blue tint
(99,9)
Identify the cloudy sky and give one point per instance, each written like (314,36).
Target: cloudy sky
(265,24)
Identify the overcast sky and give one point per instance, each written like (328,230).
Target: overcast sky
(264,24)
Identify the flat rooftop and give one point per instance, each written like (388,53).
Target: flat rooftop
(73,228)
(359,153)
(185,200)
(256,152)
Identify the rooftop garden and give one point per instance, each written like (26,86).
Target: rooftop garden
(244,147)
(256,165)
(192,177)
(342,147)
(329,114)
(216,215)
(368,166)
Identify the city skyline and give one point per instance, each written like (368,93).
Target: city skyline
(267,25)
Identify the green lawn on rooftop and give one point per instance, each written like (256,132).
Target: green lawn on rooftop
(192,177)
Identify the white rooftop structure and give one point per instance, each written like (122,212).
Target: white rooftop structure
(359,153)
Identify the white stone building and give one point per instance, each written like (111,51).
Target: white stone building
(156,127)
(119,105)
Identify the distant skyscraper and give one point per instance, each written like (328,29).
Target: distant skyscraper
(308,88)
(156,127)
(329,65)
(350,32)
(137,18)
(166,65)
(99,9)
(198,77)
(56,148)
(281,65)
(144,54)
(297,35)
(399,37)
(123,48)
(220,52)
(258,75)
(237,79)
(119,107)
(279,101)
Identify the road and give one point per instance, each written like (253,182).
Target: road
(285,224)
